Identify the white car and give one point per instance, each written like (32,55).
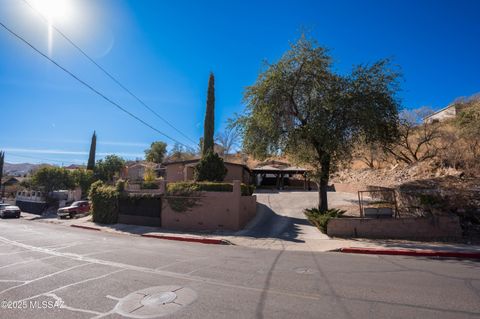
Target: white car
(9,211)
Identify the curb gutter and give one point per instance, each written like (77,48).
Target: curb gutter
(411,252)
(85,227)
(190,239)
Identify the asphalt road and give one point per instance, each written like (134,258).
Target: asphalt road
(52,271)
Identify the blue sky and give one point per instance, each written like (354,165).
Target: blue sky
(164,50)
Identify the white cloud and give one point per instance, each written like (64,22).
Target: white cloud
(63,152)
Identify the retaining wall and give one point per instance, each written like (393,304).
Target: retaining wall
(212,211)
(422,228)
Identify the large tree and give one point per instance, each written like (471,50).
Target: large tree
(156,152)
(107,168)
(209,125)
(91,155)
(50,178)
(301,108)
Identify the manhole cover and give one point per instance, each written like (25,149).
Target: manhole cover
(305,270)
(155,301)
(159,299)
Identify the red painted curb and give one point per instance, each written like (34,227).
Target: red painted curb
(85,227)
(411,252)
(189,239)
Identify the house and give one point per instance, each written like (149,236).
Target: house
(177,171)
(136,171)
(448,112)
(281,175)
(12,181)
(73,167)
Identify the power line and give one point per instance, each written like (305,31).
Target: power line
(88,85)
(106,72)
(37,158)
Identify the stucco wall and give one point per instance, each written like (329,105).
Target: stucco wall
(441,227)
(177,172)
(442,115)
(213,211)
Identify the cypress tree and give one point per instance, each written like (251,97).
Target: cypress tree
(91,156)
(2,161)
(209,124)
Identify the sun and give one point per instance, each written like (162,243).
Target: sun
(53,10)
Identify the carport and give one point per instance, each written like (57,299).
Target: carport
(281,174)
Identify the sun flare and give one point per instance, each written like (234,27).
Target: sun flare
(53,10)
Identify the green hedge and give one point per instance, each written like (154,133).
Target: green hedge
(149,185)
(104,200)
(187,188)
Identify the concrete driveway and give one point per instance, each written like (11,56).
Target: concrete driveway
(280,222)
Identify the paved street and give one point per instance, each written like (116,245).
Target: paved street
(88,274)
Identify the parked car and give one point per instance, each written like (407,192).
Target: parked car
(77,208)
(9,211)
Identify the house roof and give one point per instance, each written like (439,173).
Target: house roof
(12,180)
(279,167)
(74,166)
(143,164)
(439,111)
(194,161)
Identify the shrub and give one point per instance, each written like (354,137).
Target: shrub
(187,188)
(183,196)
(149,175)
(121,185)
(320,219)
(247,190)
(210,168)
(104,203)
(149,185)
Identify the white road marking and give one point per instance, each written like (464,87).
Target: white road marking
(43,277)
(8,280)
(160,272)
(27,261)
(64,306)
(112,297)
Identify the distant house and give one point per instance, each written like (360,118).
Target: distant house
(136,171)
(178,171)
(74,167)
(451,111)
(12,181)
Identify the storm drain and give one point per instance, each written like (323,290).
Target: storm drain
(155,301)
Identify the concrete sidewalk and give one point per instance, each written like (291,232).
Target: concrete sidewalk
(310,242)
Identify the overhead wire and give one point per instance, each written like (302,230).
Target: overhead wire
(118,106)
(107,73)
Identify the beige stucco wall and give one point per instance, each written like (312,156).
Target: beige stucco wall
(441,227)
(442,115)
(175,172)
(136,172)
(178,172)
(213,211)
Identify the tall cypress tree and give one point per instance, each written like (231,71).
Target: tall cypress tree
(209,125)
(91,156)
(2,161)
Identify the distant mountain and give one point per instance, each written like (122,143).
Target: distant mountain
(18,169)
